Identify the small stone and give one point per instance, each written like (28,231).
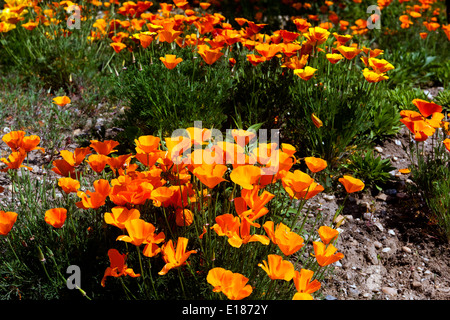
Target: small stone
(416,285)
(339,220)
(353,292)
(367,215)
(390,291)
(406,249)
(378,244)
(390,192)
(328,197)
(379,226)
(330,297)
(378,149)
(382,197)
(386,250)
(391,232)
(397,142)
(394,158)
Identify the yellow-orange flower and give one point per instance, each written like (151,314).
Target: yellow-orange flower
(233,285)
(7,220)
(351,184)
(184,217)
(277,268)
(56,217)
(305,287)
(246,176)
(117,266)
(289,242)
(175,258)
(61,101)
(306,73)
(170,61)
(315,164)
(327,234)
(317,122)
(210,174)
(69,184)
(326,255)
(104,147)
(120,215)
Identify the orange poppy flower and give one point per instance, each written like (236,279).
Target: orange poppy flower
(306,73)
(14,139)
(30,25)
(316,36)
(268,51)
(63,168)
(277,268)
(246,176)
(7,220)
(255,59)
(348,52)
(302,25)
(204,5)
(75,158)
(289,242)
(446,143)
(97,162)
(297,181)
(117,266)
(233,285)
(423,35)
(140,232)
(30,143)
(427,108)
(104,147)
(175,258)
(162,196)
(334,57)
(183,217)
(147,144)
(120,162)
(305,287)
(61,101)
(118,46)
(380,65)
(120,215)
(15,160)
(210,174)
(326,255)
(170,61)
(372,76)
(209,55)
(68,184)
(351,184)
(56,217)
(327,234)
(95,199)
(342,39)
(310,191)
(315,164)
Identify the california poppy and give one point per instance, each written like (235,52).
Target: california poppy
(56,217)
(316,35)
(63,168)
(7,220)
(327,234)
(315,164)
(210,174)
(246,176)
(120,215)
(334,57)
(183,217)
(306,73)
(117,266)
(147,144)
(316,121)
(326,255)
(233,285)
(348,52)
(118,46)
(76,157)
(208,54)
(69,184)
(140,232)
(170,61)
(175,258)
(305,287)
(372,76)
(104,147)
(29,143)
(351,184)
(289,242)
(97,162)
(15,160)
(14,139)
(446,143)
(277,268)
(61,101)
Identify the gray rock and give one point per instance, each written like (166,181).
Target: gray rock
(330,297)
(389,291)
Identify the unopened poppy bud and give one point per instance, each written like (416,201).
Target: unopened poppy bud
(317,122)
(41,255)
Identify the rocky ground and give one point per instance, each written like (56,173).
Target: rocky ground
(391,250)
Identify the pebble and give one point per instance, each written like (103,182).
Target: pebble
(416,284)
(328,197)
(391,232)
(330,297)
(390,192)
(378,149)
(378,244)
(406,249)
(390,291)
(398,142)
(385,250)
(379,226)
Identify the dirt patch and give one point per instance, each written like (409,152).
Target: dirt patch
(391,249)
